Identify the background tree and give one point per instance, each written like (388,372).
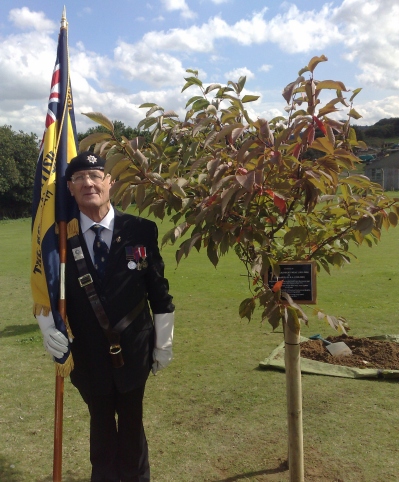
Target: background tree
(18,156)
(120,131)
(254,186)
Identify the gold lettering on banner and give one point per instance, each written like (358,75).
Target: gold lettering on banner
(69,99)
(38,262)
(48,166)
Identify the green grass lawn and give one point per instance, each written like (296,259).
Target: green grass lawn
(213,415)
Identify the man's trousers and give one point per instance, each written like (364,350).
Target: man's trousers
(118,446)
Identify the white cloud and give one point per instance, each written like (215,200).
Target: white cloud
(85,11)
(25,73)
(363,33)
(375,110)
(293,32)
(371,40)
(181,5)
(235,74)
(140,61)
(265,68)
(24,19)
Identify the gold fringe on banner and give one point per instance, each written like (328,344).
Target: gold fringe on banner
(72,228)
(38,308)
(64,369)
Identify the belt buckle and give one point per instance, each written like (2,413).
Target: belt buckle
(85,280)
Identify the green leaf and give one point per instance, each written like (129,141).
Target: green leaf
(355,92)
(222,91)
(146,123)
(91,139)
(354,114)
(147,104)
(331,84)
(141,159)
(212,87)
(241,83)
(193,99)
(250,98)
(323,144)
(246,308)
(314,62)
(365,225)
(296,232)
(303,70)
(200,104)
(120,167)
(153,109)
(176,189)
(212,253)
(393,218)
(173,168)
(100,119)
(140,194)
(191,81)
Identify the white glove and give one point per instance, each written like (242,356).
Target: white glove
(54,341)
(162,354)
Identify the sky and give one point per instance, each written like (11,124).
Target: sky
(124,53)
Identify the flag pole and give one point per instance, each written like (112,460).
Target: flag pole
(52,210)
(59,380)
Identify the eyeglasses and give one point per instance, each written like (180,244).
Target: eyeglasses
(95,177)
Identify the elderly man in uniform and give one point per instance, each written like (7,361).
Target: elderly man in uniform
(114,280)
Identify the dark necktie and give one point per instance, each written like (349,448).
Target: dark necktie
(100,250)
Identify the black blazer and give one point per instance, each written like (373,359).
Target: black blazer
(120,291)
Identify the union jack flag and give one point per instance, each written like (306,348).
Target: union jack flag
(51,203)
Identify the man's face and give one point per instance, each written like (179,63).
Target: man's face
(90,189)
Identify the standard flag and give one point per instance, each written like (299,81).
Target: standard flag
(51,203)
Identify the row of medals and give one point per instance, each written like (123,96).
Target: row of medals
(139,265)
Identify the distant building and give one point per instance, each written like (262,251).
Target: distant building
(385,171)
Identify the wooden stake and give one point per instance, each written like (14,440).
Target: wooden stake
(294,401)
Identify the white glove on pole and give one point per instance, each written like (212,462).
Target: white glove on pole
(54,341)
(162,354)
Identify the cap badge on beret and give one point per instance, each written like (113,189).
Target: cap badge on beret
(84,161)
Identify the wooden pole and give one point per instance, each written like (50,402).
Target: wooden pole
(294,401)
(59,380)
(58,419)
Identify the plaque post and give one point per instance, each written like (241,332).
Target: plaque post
(294,400)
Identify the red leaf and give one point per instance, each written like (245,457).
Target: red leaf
(320,125)
(279,202)
(297,150)
(277,286)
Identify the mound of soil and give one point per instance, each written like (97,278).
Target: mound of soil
(366,353)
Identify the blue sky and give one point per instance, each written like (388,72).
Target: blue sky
(125,52)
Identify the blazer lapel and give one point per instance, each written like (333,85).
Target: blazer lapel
(120,237)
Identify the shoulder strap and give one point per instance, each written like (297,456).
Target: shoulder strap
(86,281)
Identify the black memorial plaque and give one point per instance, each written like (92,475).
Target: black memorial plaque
(299,280)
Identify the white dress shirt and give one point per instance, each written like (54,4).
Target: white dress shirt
(108,223)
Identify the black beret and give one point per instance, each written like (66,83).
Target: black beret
(83,162)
